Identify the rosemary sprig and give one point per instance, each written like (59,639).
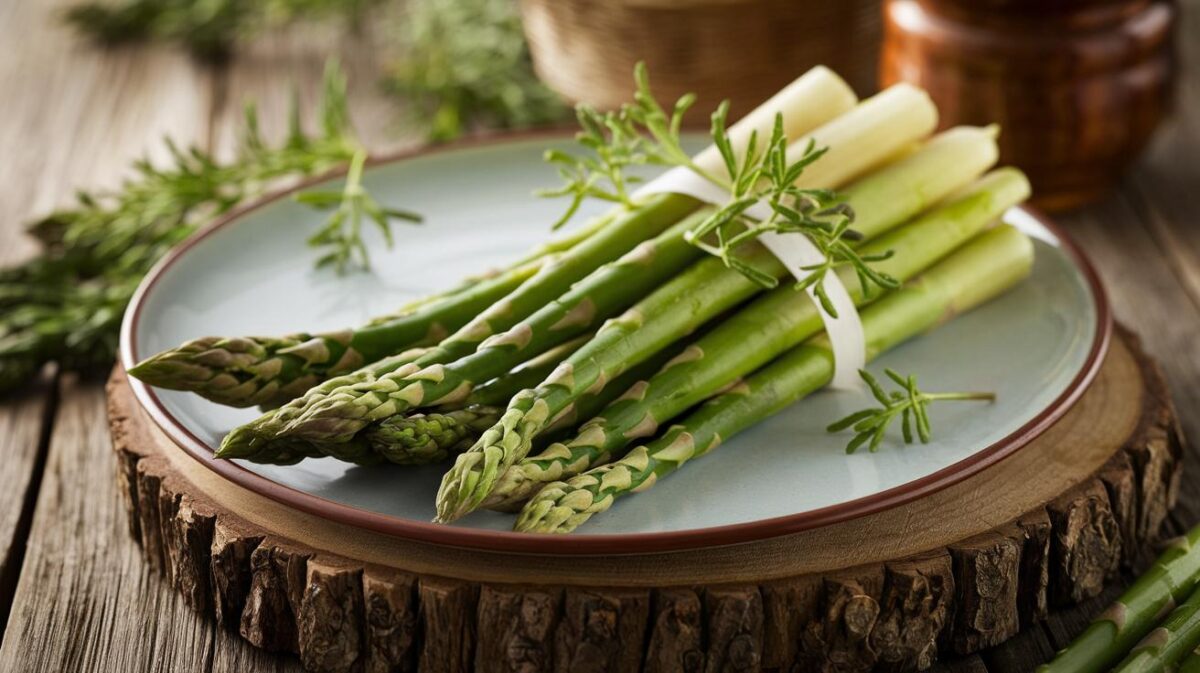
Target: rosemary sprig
(208,29)
(343,230)
(909,403)
(614,144)
(645,133)
(66,304)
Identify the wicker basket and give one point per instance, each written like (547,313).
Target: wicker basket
(743,50)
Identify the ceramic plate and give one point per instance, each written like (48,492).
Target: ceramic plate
(1036,347)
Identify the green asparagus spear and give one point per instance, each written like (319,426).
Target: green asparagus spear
(674,311)
(426,438)
(771,325)
(1167,644)
(532,259)
(985,267)
(654,216)
(270,371)
(1173,576)
(611,288)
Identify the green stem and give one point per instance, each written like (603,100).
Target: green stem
(1118,629)
(580,310)
(985,267)
(271,371)
(1167,644)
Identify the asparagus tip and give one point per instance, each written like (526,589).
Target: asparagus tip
(241,442)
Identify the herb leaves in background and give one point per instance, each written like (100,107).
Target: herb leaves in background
(459,65)
(465,64)
(66,304)
(207,28)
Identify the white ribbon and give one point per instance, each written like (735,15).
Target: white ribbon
(795,251)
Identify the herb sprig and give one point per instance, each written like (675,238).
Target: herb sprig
(909,403)
(645,133)
(343,230)
(66,304)
(208,29)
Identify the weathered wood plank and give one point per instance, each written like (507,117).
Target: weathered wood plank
(75,117)
(86,601)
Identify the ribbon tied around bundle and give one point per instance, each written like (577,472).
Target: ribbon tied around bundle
(796,251)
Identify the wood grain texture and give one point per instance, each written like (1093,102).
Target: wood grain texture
(307,592)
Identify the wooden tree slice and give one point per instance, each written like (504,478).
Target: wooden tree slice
(958,570)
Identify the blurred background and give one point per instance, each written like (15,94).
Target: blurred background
(93,86)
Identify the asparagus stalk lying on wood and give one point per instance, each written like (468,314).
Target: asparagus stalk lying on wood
(673,311)
(336,417)
(1172,577)
(985,267)
(1169,643)
(774,323)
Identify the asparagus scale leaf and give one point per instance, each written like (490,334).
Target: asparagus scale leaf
(987,266)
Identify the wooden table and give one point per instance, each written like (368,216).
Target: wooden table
(74,591)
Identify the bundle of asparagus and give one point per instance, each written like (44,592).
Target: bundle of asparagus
(666,309)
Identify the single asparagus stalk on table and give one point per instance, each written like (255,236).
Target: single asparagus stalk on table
(774,323)
(337,416)
(676,309)
(1167,644)
(1172,577)
(987,266)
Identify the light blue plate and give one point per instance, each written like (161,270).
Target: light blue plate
(1035,347)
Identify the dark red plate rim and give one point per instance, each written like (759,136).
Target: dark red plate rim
(632,543)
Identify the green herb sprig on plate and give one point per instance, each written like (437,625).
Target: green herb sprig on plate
(909,403)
